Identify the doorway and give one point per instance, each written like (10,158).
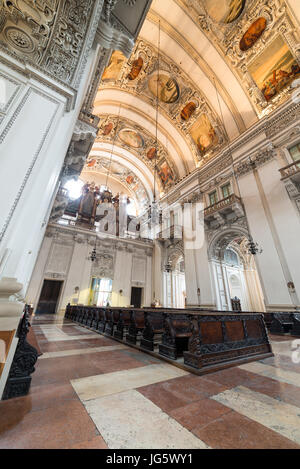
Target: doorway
(136,297)
(49,297)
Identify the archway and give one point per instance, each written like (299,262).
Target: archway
(234,271)
(174,286)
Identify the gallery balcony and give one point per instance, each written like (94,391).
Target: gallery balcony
(223,211)
(290,176)
(292,172)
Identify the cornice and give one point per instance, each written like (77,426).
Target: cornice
(33,71)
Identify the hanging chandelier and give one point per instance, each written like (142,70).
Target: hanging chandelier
(154,212)
(253,247)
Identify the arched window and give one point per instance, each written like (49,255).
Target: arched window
(231,257)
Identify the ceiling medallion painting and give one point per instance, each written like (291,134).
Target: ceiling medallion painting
(131,138)
(224,11)
(204,134)
(274,69)
(113,70)
(166,87)
(136,68)
(253,34)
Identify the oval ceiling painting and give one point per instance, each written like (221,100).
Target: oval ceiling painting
(224,11)
(151,153)
(136,68)
(253,34)
(167,87)
(131,138)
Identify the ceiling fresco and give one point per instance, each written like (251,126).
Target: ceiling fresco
(223,65)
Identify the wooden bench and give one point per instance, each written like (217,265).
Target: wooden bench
(154,329)
(222,340)
(282,323)
(123,323)
(177,332)
(136,327)
(296,325)
(112,318)
(101,320)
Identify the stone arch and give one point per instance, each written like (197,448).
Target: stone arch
(222,240)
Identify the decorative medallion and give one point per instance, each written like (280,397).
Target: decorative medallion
(136,69)
(224,11)
(131,138)
(187,111)
(253,34)
(151,153)
(19,39)
(167,87)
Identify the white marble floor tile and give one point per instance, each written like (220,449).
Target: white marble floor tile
(279,416)
(85,351)
(128,420)
(119,381)
(283,348)
(55,334)
(272,372)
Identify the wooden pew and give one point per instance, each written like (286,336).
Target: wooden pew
(154,329)
(221,340)
(282,323)
(178,329)
(123,323)
(112,319)
(136,327)
(102,320)
(296,325)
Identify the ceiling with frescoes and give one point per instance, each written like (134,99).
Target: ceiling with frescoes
(222,66)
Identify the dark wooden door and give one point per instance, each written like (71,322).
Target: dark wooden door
(136,297)
(49,297)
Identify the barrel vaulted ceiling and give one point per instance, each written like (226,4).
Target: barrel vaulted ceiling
(214,59)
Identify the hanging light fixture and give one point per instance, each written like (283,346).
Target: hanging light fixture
(154,209)
(252,246)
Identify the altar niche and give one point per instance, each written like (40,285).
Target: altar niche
(49,297)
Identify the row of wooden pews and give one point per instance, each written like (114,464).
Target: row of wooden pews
(197,339)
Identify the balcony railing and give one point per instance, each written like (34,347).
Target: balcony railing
(290,170)
(224,203)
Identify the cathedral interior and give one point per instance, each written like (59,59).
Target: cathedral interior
(149,224)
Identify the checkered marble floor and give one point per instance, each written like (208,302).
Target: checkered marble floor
(89,391)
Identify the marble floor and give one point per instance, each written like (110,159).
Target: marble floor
(89,391)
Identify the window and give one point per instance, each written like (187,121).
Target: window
(101,292)
(213,198)
(226,190)
(231,257)
(295,152)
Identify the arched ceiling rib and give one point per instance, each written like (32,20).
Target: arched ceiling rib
(143,114)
